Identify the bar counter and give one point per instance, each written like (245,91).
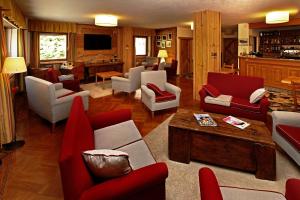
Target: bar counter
(273,70)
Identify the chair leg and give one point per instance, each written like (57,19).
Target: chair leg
(53,127)
(152,114)
(113,92)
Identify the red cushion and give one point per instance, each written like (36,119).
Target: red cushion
(209,187)
(155,88)
(244,104)
(291,134)
(53,75)
(211,90)
(78,137)
(167,96)
(292,191)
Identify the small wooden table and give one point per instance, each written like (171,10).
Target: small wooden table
(105,75)
(251,149)
(294,81)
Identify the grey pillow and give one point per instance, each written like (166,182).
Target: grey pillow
(106,163)
(66,77)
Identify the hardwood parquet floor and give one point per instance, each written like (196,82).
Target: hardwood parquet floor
(32,171)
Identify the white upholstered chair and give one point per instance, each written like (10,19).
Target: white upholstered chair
(159,78)
(130,84)
(50,100)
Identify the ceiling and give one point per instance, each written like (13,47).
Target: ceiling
(154,13)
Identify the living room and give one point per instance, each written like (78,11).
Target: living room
(141,74)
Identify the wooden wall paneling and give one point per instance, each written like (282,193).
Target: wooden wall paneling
(207,43)
(172,51)
(128,48)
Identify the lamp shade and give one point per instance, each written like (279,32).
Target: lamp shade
(162,54)
(14,65)
(106,20)
(277,17)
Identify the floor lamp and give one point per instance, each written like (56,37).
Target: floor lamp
(14,65)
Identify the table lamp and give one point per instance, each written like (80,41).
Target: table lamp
(162,54)
(13,65)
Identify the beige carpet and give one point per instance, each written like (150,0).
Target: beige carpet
(182,182)
(96,90)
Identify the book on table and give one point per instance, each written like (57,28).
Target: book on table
(205,120)
(236,122)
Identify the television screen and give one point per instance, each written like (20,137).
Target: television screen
(97,42)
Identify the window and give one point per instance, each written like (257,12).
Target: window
(140,46)
(53,46)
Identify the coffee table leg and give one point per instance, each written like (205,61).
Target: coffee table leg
(265,162)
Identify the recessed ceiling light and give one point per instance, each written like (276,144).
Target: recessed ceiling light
(277,17)
(106,20)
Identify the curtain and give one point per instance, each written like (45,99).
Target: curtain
(51,27)
(35,48)
(21,53)
(13,13)
(7,120)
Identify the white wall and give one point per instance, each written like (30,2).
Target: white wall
(243,33)
(182,32)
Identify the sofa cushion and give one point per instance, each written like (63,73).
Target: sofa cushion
(116,136)
(106,163)
(52,75)
(62,92)
(222,100)
(257,95)
(66,77)
(166,96)
(212,90)
(291,134)
(155,88)
(139,154)
(244,104)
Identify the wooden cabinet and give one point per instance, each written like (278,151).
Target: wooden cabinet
(270,69)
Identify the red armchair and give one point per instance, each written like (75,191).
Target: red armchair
(144,183)
(240,88)
(73,85)
(210,189)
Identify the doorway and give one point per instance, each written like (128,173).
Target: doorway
(186,56)
(230,54)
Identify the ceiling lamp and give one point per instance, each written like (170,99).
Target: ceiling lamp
(192,25)
(106,20)
(277,17)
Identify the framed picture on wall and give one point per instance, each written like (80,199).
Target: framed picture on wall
(158,43)
(163,44)
(164,37)
(168,43)
(169,36)
(244,42)
(158,37)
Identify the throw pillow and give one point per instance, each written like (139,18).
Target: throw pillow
(211,90)
(257,95)
(155,89)
(106,163)
(66,77)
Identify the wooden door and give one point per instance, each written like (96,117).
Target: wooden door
(186,56)
(230,51)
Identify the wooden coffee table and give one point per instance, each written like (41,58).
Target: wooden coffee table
(105,75)
(251,149)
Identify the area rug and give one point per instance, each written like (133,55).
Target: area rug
(97,90)
(182,182)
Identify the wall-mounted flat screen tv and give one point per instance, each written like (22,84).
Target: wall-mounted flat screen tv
(97,42)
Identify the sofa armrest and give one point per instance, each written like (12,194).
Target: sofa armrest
(209,187)
(148,92)
(292,191)
(173,89)
(105,119)
(120,79)
(129,185)
(285,118)
(69,98)
(58,86)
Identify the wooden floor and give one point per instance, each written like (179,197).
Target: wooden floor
(32,172)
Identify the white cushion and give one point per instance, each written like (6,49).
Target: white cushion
(139,154)
(116,136)
(66,77)
(222,100)
(257,95)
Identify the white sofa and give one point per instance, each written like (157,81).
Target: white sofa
(50,100)
(290,119)
(159,78)
(130,84)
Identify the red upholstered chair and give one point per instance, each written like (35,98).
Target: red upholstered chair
(144,183)
(73,85)
(210,189)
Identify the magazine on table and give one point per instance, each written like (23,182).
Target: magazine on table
(236,122)
(205,120)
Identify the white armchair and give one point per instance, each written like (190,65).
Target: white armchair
(159,78)
(291,119)
(130,84)
(50,100)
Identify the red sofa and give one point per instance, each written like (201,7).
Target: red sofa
(144,183)
(74,85)
(240,88)
(210,189)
